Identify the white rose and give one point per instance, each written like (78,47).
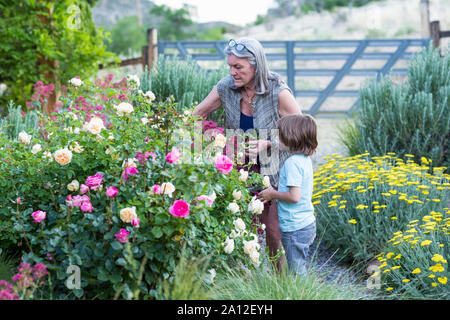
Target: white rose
(233,207)
(220,141)
(250,246)
(124,108)
(243,175)
(24,138)
(254,256)
(239,224)
(255,206)
(237,194)
(73,186)
(168,188)
(36,148)
(75,82)
(229,246)
(213,196)
(2,88)
(76,130)
(266,181)
(95,125)
(133,80)
(149,96)
(144,120)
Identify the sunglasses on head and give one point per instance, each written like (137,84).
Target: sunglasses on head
(239,46)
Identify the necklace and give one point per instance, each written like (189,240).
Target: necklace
(250,99)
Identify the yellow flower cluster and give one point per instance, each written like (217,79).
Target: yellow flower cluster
(361,175)
(418,233)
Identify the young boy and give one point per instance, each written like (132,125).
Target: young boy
(298,133)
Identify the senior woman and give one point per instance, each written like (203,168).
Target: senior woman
(254,98)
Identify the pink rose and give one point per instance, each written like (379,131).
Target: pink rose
(94,181)
(148,154)
(38,216)
(156,189)
(84,188)
(86,206)
(180,208)
(111,191)
(122,236)
(77,200)
(129,171)
(135,222)
(18,200)
(173,156)
(207,199)
(223,164)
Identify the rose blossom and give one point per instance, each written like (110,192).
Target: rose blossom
(111,191)
(229,246)
(223,163)
(73,186)
(95,181)
(173,156)
(168,188)
(36,148)
(122,236)
(179,208)
(135,222)
(84,188)
(86,206)
(233,207)
(63,156)
(24,138)
(129,171)
(128,214)
(156,189)
(124,108)
(38,216)
(239,224)
(207,199)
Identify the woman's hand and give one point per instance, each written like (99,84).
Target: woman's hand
(266,195)
(256,146)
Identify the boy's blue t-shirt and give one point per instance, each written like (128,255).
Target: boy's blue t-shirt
(297,171)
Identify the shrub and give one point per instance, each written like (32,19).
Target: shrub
(360,201)
(184,80)
(413,264)
(409,118)
(69,214)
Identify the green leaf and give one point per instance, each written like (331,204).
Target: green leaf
(157,232)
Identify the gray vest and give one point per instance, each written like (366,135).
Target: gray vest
(265,117)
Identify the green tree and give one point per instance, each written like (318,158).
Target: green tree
(127,35)
(46,40)
(175,23)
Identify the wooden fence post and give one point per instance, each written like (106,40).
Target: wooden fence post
(425,18)
(151,48)
(435,29)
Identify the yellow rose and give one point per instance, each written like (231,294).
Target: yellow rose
(63,156)
(128,214)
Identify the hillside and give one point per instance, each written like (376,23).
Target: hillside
(384,19)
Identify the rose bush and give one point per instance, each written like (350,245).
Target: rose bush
(104,179)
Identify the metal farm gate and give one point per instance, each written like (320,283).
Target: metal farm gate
(329,61)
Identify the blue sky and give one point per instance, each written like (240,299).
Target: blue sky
(238,12)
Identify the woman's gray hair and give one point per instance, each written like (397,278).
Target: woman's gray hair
(257,58)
